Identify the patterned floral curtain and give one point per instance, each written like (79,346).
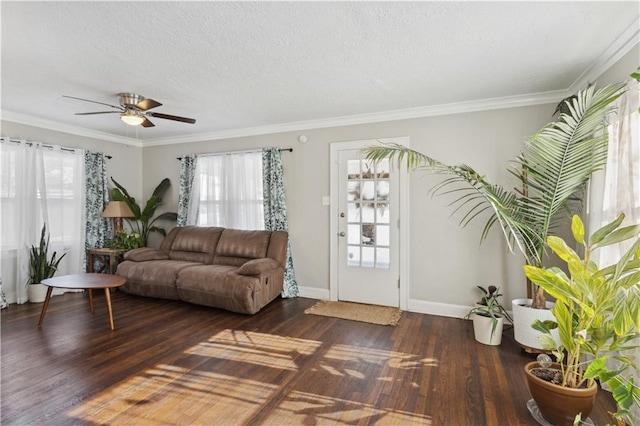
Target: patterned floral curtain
(275,210)
(187,172)
(98,229)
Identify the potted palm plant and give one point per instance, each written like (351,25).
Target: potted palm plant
(488,317)
(41,267)
(553,170)
(144,223)
(597,313)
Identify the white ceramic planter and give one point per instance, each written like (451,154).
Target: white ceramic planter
(523,317)
(37,293)
(482,327)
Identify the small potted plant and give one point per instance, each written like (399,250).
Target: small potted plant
(488,317)
(597,313)
(41,268)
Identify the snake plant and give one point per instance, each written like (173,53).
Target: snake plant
(40,266)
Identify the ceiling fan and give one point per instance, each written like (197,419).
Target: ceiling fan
(134,110)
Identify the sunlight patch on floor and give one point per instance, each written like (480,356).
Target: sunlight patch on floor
(171,395)
(257,348)
(191,389)
(379,357)
(307,408)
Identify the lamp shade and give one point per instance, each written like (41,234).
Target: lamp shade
(117,209)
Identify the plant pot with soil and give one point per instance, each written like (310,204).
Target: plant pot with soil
(488,317)
(597,315)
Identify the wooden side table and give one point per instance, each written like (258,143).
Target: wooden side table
(107,260)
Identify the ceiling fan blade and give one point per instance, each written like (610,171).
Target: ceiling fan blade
(95,102)
(97,112)
(147,104)
(172,117)
(147,123)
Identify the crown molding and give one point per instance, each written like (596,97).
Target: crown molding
(378,117)
(18,118)
(622,45)
(616,50)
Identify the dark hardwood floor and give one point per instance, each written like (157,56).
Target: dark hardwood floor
(174,363)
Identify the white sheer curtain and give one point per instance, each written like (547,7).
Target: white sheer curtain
(39,184)
(227,191)
(617,189)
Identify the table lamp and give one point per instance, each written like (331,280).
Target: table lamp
(117,210)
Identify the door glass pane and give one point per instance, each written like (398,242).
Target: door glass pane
(368,257)
(353,234)
(368,235)
(382,190)
(382,258)
(353,191)
(382,234)
(353,169)
(368,214)
(353,255)
(353,212)
(382,213)
(368,190)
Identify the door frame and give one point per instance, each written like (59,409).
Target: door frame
(403,231)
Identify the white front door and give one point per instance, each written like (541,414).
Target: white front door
(367,225)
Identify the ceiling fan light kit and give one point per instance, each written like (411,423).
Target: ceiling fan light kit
(133,110)
(132,118)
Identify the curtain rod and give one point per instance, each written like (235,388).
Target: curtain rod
(44,145)
(235,152)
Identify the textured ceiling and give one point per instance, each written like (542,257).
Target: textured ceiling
(261,66)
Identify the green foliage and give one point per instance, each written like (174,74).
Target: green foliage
(553,170)
(143,224)
(489,306)
(40,266)
(125,241)
(597,310)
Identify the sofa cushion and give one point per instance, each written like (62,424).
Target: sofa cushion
(195,244)
(153,278)
(143,254)
(219,286)
(236,246)
(258,266)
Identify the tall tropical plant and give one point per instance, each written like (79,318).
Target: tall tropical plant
(144,223)
(556,164)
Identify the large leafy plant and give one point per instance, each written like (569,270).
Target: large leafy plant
(144,223)
(597,310)
(40,266)
(553,169)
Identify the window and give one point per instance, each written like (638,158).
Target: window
(227,191)
(39,184)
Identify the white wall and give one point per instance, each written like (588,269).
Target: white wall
(446,262)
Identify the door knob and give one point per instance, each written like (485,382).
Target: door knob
(342,234)
(342,214)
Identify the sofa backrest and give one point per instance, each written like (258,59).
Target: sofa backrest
(220,246)
(237,247)
(192,243)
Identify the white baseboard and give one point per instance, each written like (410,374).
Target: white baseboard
(435,308)
(314,293)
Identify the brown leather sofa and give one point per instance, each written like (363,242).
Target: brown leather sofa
(236,270)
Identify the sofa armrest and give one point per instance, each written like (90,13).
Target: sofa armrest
(258,266)
(143,254)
